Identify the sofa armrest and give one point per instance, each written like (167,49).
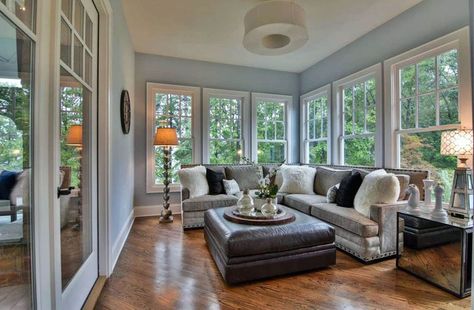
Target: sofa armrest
(386,216)
(184,194)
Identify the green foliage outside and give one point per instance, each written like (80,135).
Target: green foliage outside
(271,135)
(14,127)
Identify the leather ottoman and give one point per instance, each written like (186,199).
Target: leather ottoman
(246,252)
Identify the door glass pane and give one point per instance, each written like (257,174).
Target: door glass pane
(78,56)
(79,17)
(88,32)
(66,35)
(88,68)
(66,7)
(16,92)
(75,203)
(23,9)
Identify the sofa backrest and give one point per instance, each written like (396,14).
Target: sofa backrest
(416,175)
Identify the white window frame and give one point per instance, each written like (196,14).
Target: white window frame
(288,102)
(324,91)
(375,72)
(456,40)
(151,90)
(244,96)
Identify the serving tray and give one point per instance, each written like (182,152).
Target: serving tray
(282,217)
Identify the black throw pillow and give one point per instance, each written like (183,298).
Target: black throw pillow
(348,190)
(214,179)
(7,182)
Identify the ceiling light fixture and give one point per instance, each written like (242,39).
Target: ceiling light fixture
(275,28)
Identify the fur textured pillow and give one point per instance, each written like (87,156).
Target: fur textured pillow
(194,179)
(231,187)
(332,193)
(377,187)
(297,179)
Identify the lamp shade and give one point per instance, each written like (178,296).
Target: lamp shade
(166,136)
(457,142)
(74,135)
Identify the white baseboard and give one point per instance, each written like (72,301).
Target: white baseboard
(143,211)
(120,242)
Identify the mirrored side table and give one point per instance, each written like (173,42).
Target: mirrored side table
(436,250)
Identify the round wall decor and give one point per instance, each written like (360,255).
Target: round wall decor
(125,111)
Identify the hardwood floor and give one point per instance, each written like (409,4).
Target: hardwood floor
(162,267)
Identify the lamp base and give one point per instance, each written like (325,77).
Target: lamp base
(166,219)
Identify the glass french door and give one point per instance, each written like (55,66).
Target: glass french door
(77,190)
(17,47)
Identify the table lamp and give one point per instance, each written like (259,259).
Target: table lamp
(166,137)
(459,142)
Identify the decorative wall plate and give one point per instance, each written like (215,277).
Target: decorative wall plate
(125,111)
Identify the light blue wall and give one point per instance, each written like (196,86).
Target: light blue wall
(121,146)
(152,68)
(424,22)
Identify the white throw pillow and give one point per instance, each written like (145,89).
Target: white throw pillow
(377,187)
(194,179)
(298,179)
(231,187)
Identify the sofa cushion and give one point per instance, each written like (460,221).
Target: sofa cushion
(214,179)
(246,176)
(298,179)
(195,180)
(347,218)
(207,202)
(326,178)
(303,202)
(348,190)
(8,180)
(404,181)
(231,187)
(377,187)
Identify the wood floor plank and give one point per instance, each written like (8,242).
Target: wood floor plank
(162,267)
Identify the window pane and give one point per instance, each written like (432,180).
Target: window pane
(422,151)
(448,69)
(318,152)
(371,117)
(88,32)
(224,152)
(359,151)
(271,152)
(348,111)
(88,68)
(427,111)
(408,113)
(359,107)
(323,105)
(224,118)
(186,105)
(426,75)
(16,93)
(24,10)
(448,107)
(182,154)
(408,81)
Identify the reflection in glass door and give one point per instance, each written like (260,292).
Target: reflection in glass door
(78,149)
(17,46)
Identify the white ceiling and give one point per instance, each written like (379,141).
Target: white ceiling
(212,30)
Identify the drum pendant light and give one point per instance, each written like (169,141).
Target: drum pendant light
(275,28)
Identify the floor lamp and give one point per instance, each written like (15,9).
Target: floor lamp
(74,139)
(166,137)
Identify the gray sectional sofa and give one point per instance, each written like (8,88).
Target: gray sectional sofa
(368,239)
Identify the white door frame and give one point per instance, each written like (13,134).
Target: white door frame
(47,289)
